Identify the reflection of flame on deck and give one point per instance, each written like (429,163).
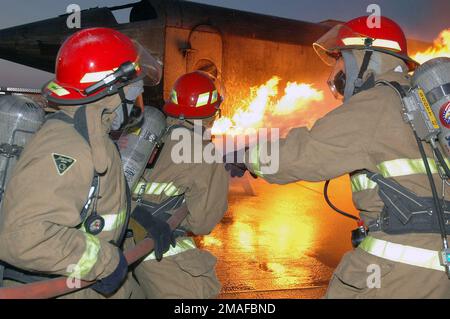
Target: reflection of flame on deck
(277,235)
(441,48)
(271,231)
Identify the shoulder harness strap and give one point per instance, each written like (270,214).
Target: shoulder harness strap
(79,123)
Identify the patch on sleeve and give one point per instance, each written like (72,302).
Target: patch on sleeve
(63,163)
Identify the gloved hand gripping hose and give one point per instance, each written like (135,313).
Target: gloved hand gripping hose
(58,286)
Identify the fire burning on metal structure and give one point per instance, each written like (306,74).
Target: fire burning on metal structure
(441,48)
(266,107)
(295,104)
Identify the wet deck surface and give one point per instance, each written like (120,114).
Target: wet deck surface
(280,241)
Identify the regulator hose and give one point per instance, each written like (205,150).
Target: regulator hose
(437,205)
(327,199)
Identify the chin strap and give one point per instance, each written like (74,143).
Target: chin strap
(361,85)
(124,107)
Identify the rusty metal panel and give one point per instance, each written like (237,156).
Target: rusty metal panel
(205,47)
(252,62)
(246,63)
(175,59)
(185,50)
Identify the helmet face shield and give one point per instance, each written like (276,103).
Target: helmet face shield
(130,112)
(329,45)
(220,87)
(338,79)
(135,99)
(149,67)
(359,35)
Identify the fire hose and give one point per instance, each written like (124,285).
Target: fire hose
(58,286)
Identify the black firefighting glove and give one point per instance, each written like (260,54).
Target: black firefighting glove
(234,163)
(157,229)
(110,284)
(236,170)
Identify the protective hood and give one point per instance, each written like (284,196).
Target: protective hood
(132,92)
(379,64)
(97,118)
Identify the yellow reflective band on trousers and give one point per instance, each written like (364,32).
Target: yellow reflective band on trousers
(409,255)
(169,189)
(88,259)
(394,168)
(255,162)
(183,244)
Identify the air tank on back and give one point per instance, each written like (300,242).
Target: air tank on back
(20,118)
(433,77)
(137,144)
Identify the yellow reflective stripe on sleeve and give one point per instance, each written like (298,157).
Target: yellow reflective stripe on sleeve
(169,189)
(394,168)
(405,167)
(114,221)
(402,254)
(155,188)
(255,162)
(183,244)
(203,99)
(362,182)
(89,257)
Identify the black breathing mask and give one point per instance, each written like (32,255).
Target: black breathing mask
(338,79)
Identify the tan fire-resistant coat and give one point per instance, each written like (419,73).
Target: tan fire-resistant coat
(40,226)
(189,272)
(366,131)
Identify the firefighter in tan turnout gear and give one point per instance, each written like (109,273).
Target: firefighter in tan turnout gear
(367,134)
(184,271)
(65,210)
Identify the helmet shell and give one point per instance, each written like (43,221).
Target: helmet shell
(194,96)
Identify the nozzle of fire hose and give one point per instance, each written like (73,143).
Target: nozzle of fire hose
(359,234)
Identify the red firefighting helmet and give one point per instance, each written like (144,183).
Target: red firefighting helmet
(363,33)
(194,96)
(92,55)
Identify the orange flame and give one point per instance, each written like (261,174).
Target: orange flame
(441,48)
(264,106)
